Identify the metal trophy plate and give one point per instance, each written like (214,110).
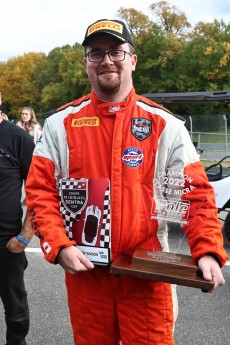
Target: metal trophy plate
(172,203)
(160,266)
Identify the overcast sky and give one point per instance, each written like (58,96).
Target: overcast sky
(41,25)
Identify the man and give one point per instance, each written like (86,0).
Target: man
(16,148)
(113,139)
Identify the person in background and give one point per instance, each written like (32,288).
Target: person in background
(115,135)
(4,116)
(1,112)
(0,102)
(30,124)
(16,148)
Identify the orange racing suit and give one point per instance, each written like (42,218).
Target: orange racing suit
(134,144)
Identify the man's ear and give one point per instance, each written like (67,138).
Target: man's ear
(134,62)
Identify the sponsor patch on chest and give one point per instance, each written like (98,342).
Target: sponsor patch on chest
(141,128)
(85,122)
(132,157)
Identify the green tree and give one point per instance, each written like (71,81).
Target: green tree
(61,77)
(48,79)
(172,57)
(212,41)
(139,25)
(148,42)
(17,83)
(171,19)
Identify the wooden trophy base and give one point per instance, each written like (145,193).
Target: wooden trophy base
(160,266)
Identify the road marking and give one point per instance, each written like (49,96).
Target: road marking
(38,250)
(33,250)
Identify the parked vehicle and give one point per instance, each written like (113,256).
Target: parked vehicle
(218,174)
(219,178)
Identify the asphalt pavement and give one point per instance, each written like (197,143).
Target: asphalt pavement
(204,319)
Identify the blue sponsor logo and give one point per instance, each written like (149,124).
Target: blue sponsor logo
(132,157)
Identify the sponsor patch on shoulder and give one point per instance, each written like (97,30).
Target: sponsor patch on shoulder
(141,128)
(85,121)
(132,157)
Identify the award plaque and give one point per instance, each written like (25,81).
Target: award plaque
(85,209)
(173,202)
(160,266)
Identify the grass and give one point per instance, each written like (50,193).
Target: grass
(206,164)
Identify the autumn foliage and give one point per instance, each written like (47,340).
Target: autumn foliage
(173,56)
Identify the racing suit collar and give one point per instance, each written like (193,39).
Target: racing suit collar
(111,108)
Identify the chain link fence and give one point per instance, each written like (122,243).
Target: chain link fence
(209,134)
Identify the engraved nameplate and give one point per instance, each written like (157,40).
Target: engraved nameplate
(160,260)
(165,257)
(159,266)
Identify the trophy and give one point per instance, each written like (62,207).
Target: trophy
(169,205)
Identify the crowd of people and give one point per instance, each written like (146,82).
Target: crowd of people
(104,156)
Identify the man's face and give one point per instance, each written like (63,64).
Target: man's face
(108,77)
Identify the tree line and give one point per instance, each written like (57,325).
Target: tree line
(173,56)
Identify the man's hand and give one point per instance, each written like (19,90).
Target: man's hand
(72,260)
(15,246)
(211,271)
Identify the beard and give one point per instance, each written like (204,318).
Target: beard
(109,85)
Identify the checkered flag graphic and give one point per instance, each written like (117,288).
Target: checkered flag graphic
(67,216)
(105,239)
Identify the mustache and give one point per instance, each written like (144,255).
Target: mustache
(108,70)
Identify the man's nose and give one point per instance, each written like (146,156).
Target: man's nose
(107,59)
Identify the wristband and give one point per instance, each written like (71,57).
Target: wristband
(22,239)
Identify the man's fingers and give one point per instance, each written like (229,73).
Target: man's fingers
(73,260)
(83,260)
(207,275)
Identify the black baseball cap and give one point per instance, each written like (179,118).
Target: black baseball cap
(112,27)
